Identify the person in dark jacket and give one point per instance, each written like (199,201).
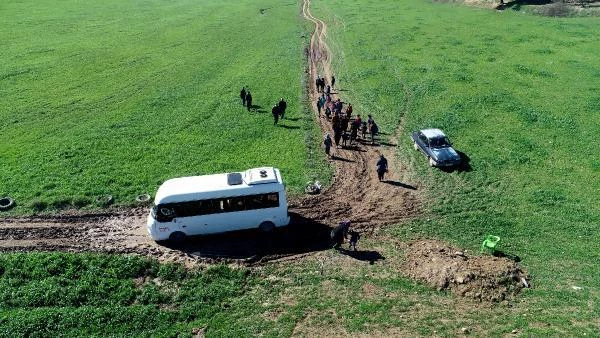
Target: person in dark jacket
(339,233)
(349,110)
(275,112)
(381,167)
(327,142)
(374,131)
(319,106)
(248,100)
(354,237)
(332,81)
(243,96)
(282,107)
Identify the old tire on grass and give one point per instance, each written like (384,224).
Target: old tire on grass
(266,226)
(177,237)
(143,198)
(104,200)
(6,203)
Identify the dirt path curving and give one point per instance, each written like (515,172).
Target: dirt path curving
(355,194)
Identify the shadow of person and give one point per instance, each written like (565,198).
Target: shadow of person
(387,144)
(337,158)
(302,235)
(400,184)
(288,127)
(367,255)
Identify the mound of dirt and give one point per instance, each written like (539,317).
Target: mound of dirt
(485,278)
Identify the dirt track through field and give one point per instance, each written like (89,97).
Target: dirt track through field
(355,194)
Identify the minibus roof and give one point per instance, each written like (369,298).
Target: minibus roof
(217,185)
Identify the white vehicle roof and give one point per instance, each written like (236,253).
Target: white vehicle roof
(433,133)
(256,180)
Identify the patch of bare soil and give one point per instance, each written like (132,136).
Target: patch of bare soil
(356,193)
(444,267)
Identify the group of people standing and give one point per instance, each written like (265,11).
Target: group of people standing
(341,232)
(322,86)
(246,98)
(278,110)
(341,121)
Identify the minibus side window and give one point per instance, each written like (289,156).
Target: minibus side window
(236,203)
(164,213)
(272,200)
(254,202)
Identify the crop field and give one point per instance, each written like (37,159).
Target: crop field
(519,96)
(115,97)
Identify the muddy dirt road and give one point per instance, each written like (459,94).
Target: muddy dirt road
(355,194)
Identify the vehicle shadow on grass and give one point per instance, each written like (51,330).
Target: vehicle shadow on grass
(464,165)
(302,235)
(516,5)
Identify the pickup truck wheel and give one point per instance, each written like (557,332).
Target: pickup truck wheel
(266,226)
(431,162)
(415,146)
(177,237)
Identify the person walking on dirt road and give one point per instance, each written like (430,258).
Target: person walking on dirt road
(327,142)
(243,96)
(374,131)
(248,100)
(275,112)
(332,81)
(337,135)
(354,237)
(381,167)
(282,107)
(339,233)
(349,111)
(319,106)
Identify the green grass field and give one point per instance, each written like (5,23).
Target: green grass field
(117,97)
(519,95)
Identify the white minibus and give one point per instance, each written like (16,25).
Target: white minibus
(217,203)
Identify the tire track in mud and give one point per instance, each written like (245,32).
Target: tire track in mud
(355,194)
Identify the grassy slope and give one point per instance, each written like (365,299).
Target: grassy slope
(115,97)
(519,95)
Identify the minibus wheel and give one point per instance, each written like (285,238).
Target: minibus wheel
(177,237)
(266,226)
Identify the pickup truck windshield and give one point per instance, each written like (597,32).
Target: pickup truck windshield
(439,143)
